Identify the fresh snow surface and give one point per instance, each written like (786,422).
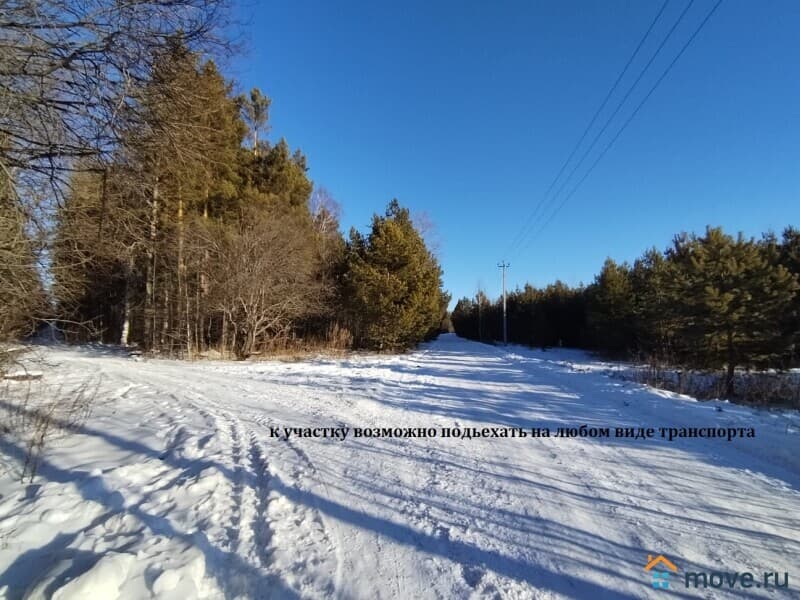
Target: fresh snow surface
(173,488)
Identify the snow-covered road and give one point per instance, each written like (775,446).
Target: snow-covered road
(175,487)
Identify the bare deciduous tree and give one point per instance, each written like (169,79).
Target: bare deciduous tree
(21,292)
(263,281)
(68,71)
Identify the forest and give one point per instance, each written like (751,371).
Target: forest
(707,302)
(143,203)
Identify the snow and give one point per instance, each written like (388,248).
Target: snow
(174,487)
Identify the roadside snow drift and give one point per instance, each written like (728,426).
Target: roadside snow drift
(182,484)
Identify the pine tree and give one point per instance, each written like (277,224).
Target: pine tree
(393,283)
(255,109)
(657,291)
(279,176)
(90,254)
(188,151)
(463,319)
(610,308)
(130,256)
(733,302)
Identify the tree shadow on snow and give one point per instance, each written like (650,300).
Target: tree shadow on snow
(234,576)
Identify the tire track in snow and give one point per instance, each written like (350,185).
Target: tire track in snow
(226,431)
(304,523)
(238,488)
(271,522)
(412,507)
(594,475)
(659,491)
(354,409)
(425,507)
(604,470)
(250,498)
(262,534)
(490,492)
(299,473)
(331,542)
(449,538)
(300,542)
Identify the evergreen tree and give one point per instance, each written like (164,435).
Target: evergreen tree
(129,256)
(90,252)
(657,291)
(610,308)
(464,323)
(279,175)
(733,302)
(393,283)
(706,303)
(789,257)
(255,109)
(560,316)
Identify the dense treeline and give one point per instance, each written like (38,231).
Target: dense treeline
(708,302)
(140,188)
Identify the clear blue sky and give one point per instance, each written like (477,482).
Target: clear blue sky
(466,110)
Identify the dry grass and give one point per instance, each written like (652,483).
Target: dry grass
(35,412)
(758,388)
(337,341)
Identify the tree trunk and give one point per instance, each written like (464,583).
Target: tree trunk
(198,321)
(150,275)
(126,318)
(203,277)
(126,321)
(190,342)
(731,370)
(165,320)
(103,202)
(202,287)
(224,344)
(183,315)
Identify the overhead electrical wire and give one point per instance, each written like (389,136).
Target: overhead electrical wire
(529,221)
(628,121)
(619,106)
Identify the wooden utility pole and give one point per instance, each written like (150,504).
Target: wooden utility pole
(503,265)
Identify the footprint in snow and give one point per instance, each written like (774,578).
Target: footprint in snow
(472,575)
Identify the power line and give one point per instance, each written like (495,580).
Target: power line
(627,122)
(521,233)
(619,106)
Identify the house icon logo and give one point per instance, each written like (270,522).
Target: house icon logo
(659,567)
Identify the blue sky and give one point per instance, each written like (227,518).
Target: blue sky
(466,111)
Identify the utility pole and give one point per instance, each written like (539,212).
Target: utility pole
(480,332)
(503,265)
(479,298)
